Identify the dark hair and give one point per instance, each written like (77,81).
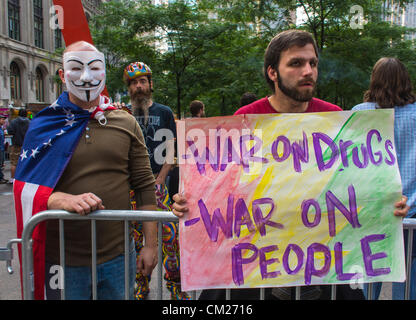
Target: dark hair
(195,107)
(390,84)
(282,42)
(247,98)
(22,113)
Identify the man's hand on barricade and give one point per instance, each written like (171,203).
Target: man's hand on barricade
(82,204)
(179,207)
(402,209)
(147,260)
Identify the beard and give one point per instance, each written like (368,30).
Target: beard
(293,92)
(140,100)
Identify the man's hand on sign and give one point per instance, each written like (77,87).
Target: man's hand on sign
(179,207)
(402,209)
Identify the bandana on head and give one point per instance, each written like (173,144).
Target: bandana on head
(84,73)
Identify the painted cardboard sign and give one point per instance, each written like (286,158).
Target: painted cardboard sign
(289,200)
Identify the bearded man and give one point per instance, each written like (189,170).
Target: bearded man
(291,70)
(159,129)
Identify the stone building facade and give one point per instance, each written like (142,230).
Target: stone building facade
(404,16)
(30,47)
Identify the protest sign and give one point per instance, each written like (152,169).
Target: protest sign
(289,200)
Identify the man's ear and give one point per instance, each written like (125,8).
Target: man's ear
(271,72)
(62,75)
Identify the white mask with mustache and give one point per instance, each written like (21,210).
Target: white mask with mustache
(84,73)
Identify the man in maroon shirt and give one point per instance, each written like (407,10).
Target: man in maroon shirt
(291,70)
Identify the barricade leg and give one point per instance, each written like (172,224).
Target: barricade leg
(333,292)
(159,266)
(94,259)
(126,261)
(27,267)
(370,292)
(409,264)
(62,255)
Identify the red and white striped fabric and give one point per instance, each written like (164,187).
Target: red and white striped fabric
(31,199)
(49,143)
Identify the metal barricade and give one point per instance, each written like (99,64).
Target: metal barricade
(410,225)
(6,254)
(119,215)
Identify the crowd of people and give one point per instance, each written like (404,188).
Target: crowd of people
(119,160)
(16,128)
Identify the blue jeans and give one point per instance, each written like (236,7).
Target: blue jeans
(1,163)
(110,280)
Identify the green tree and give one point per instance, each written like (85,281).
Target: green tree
(351,37)
(173,39)
(212,50)
(116,32)
(196,51)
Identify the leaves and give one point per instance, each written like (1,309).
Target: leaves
(212,50)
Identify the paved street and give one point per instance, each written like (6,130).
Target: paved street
(9,284)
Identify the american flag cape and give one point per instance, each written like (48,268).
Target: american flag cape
(49,143)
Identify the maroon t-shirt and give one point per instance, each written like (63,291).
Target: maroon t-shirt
(264,106)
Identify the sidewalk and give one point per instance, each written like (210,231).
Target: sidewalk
(9,284)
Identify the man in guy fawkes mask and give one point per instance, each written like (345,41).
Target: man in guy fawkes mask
(84,74)
(80,155)
(159,129)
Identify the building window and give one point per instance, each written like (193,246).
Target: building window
(40,96)
(14,19)
(15,82)
(38,19)
(58,38)
(59,86)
